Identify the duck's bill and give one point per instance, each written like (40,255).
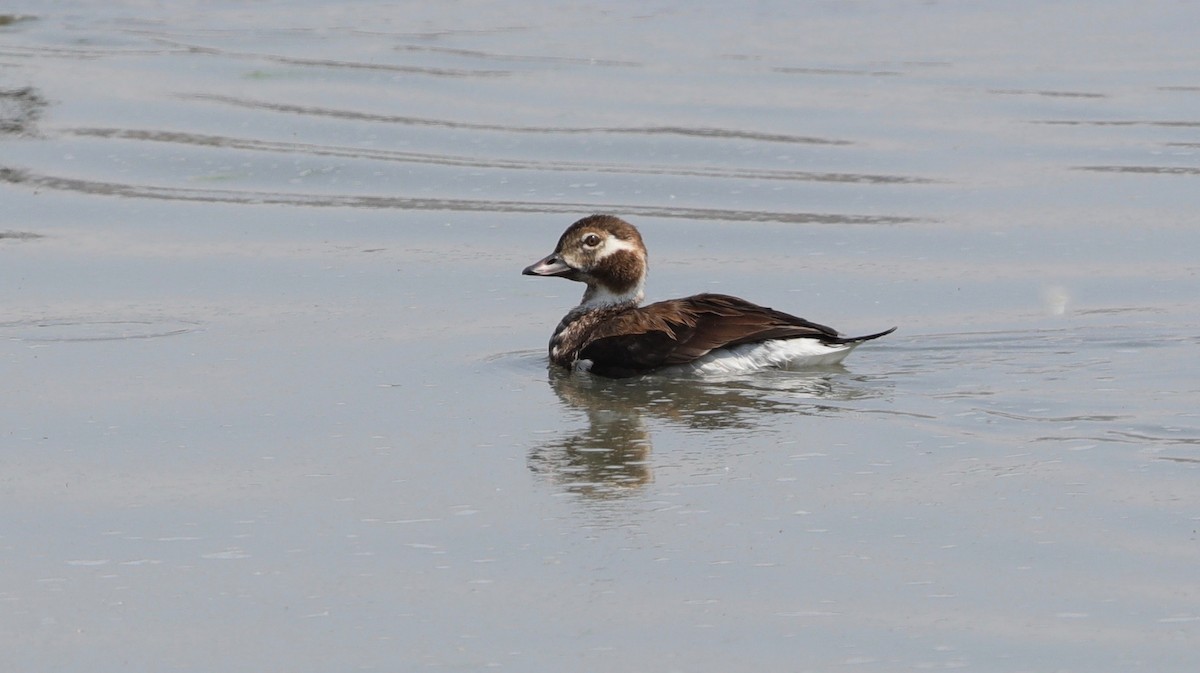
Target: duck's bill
(550,265)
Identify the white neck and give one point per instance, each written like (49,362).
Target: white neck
(598,296)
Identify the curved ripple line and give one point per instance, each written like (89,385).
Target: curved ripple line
(1047,93)
(22,51)
(473,162)
(1153,170)
(492,56)
(1053,419)
(330,63)
(696,131)
(78,330)
(1168,123)
(14,176)
(797,70)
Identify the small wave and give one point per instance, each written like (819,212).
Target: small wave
(1119,122)
(490,56)
(14,176)
(69,330)
(1148,170)
(331,63)
(694,131)
(1047,93)
(526,361)
(500,163)
(837,71)
(1080,418)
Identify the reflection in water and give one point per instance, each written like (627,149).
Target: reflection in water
(610,456)
(607,457)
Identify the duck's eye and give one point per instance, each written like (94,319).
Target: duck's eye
(591,241)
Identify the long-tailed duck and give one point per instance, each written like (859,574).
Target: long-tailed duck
(610,335)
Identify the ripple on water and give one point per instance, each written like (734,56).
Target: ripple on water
(104,188)
(66,330)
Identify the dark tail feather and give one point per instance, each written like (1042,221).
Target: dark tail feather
(860,339)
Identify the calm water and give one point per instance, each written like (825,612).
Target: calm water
(274,392)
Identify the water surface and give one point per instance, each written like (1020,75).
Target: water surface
(276,394)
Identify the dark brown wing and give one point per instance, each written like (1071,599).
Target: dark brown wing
(681,330)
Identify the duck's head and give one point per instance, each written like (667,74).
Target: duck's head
(603,251)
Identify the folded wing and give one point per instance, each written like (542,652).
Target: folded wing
(682,330)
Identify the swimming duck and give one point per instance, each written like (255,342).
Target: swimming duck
(610,334)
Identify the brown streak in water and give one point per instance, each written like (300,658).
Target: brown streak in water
(407,203)
(19,110)
(1127,122)
(9,19)
(19,235)
(1047,93)
(705,132)
(1151,438)
(1151,170)
(837,71)
(512,164)
(447,32)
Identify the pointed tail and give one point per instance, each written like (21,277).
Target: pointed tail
(859,339)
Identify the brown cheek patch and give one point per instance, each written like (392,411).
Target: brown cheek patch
(625,270)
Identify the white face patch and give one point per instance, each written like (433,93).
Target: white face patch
(612,244)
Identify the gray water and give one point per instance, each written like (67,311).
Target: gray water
(275,395)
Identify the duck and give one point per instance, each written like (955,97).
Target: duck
(611,334)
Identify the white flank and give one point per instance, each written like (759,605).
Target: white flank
(776,354)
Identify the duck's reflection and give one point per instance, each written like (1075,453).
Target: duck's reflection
(610,455)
